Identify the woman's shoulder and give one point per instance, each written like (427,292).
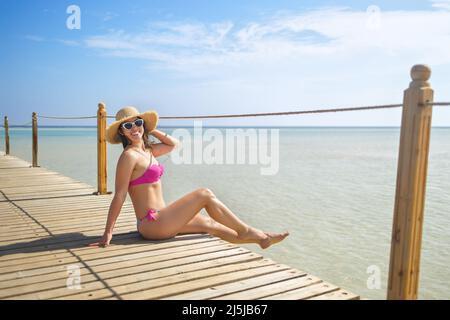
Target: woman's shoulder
(127,155)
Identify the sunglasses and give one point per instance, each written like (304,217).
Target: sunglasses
(129,125)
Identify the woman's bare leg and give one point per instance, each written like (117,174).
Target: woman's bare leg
(202,224)
(245,233)
(220,212)
(178,214)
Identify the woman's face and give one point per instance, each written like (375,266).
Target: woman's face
(134,134)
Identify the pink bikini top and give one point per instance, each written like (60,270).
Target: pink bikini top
(152,174)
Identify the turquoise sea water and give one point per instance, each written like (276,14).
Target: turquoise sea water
(334,191)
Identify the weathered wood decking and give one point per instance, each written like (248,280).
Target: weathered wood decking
(46,220)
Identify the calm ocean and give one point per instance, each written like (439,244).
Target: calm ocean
(334,191)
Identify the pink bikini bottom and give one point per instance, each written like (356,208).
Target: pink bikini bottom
(149,217)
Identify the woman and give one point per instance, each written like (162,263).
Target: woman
(138,173)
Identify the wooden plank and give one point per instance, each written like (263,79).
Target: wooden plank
(87,235)
(245,289)
(304,293)
(69,240)
(28,175)
(268,289)
(11,191)
(48,214)
(120,241)
(10,232)
(16,225)
(82,201)
(50,195)
(97,224)
(336,295)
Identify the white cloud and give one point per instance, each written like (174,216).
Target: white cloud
(34,38)
(330,32)
(71,43)
(109,16)
(441,4)
(112,41)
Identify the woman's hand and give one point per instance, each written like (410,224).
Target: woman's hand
(104,242)
(168,143)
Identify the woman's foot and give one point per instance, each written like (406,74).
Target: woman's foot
(272,238)
(252,235)
(264,239)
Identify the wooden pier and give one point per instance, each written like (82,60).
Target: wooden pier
(47,220)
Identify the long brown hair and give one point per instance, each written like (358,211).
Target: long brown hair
(126,142)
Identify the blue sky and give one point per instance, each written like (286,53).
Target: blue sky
(220,57)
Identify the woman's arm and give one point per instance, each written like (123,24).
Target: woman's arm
(114,211)
(124,169)
(168,143)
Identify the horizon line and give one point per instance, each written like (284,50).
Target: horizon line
(218,126)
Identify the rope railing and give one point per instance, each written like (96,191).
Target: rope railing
(282,113)
(286,112)
(342,109)
(438,104)
(67,118)
(17,125)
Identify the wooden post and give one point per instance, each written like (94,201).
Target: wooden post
(101,150)
(6,135)
(35,140)
(410,191)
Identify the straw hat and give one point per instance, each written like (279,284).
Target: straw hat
(150,121)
